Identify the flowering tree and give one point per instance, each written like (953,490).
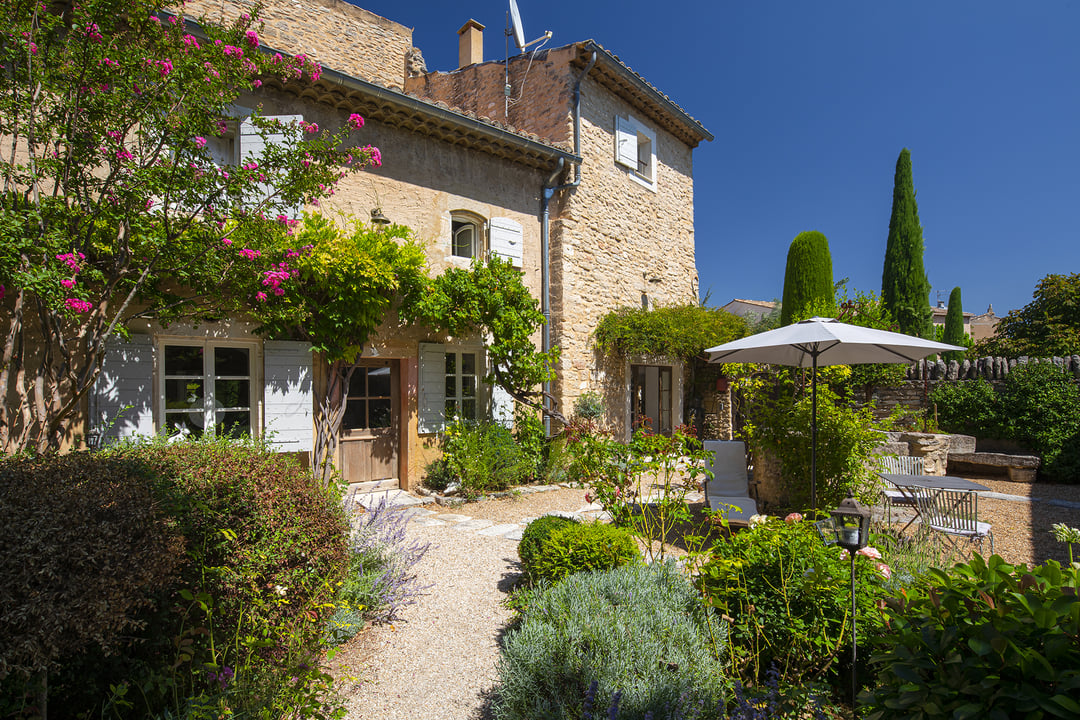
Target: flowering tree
(112,205)
(332,286)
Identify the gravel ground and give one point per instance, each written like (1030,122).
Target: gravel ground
(438,661)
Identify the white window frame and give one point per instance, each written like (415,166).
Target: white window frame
(459,398)
(209,378)
(635,149)
(460,220)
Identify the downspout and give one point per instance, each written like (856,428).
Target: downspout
(548,191)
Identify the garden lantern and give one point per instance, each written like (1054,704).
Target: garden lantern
(377,217)
(851,524)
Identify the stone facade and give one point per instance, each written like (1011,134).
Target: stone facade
(338,34)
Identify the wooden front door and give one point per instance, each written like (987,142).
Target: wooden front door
(370,429)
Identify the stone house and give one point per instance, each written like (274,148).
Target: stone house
(584,181)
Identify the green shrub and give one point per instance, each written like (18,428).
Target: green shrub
(580,547)
(482,457)
(531,440)
(986,639)
(808,279)
(84,550)
(1038,406)
(638,629)
(589,406)
(968,407)
(533,538)
(242,625)
(789,598)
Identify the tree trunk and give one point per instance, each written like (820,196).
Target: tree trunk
(328,417)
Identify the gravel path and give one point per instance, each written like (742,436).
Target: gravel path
(438,662)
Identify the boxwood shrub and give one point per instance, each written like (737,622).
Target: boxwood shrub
(581,547)
(639,630)
(532,539)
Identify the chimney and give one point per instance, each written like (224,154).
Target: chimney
(470,44)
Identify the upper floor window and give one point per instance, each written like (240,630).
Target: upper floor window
(465,236)
(635,148)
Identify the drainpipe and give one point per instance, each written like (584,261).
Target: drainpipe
(547,192)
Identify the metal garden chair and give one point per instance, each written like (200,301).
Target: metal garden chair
(890,496)
(953,514)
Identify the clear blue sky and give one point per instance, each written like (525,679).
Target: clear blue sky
(811,103)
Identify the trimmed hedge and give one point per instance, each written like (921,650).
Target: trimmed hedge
(533,538)
(584,547)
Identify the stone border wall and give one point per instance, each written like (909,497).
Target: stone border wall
(993,369)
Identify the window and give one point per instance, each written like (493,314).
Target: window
(635,148)
(207,388)
(369,403)
(465,236)
(461,385)
(650,398)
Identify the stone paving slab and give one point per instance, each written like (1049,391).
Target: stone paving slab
(450,517)
(428,522)
(501,530)
(474,524)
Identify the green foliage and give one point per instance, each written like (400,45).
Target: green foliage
(679,331)
(642,484)
(589,406)
(481,457)
(954,327)
(531,440)
(865,309)
(1038,406)
(970,407)
(113,207)
(490,299)
(905,291)
(532,541)
(789,598)
(1047,326)
(582,547)
(986,639)
(778,413)
(85,549)
(808,278)
(637,629)
(342,286)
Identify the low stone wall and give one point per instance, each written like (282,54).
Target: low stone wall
(992,369)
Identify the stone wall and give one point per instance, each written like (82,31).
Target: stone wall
(341,36)
(614,241)
(923,377)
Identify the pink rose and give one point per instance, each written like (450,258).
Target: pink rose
(884,570)
(793,518)
(870,552)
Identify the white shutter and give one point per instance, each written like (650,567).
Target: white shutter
(626,144)
(122,399)
(431,403)
(287,395)
(502,407)
(251,146)
(506,240)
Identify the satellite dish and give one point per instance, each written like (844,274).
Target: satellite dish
(515,20)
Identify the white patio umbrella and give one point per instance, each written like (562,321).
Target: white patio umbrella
(824,341)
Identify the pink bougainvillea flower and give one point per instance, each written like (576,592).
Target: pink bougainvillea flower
(356,121)
(311,128)
(200,141)
(110,63)
(282,219)
(165,67)
(279,291)
(871,552)
(68,283)
(249,253)
(256,83)
(226,241)
(252,38)
(233,51)
(260,296)
(884,570)
(123,155)
(79,306)
(190,41)
(793,518)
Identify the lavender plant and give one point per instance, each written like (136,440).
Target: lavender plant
(382,577)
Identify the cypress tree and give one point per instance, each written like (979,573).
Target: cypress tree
(954,326)
(905,291)
(808,279)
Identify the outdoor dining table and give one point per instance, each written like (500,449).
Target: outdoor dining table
(906,483)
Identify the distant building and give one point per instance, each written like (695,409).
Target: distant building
(942,310)
(750,309)
(985,325)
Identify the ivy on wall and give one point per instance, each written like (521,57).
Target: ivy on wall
(678,332)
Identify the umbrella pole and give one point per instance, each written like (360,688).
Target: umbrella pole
(813,436)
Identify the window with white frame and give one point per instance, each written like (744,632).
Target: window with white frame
(207,388)
(466,235)
(461,385)
(635,149)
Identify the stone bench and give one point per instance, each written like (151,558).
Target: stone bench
(1019,468)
